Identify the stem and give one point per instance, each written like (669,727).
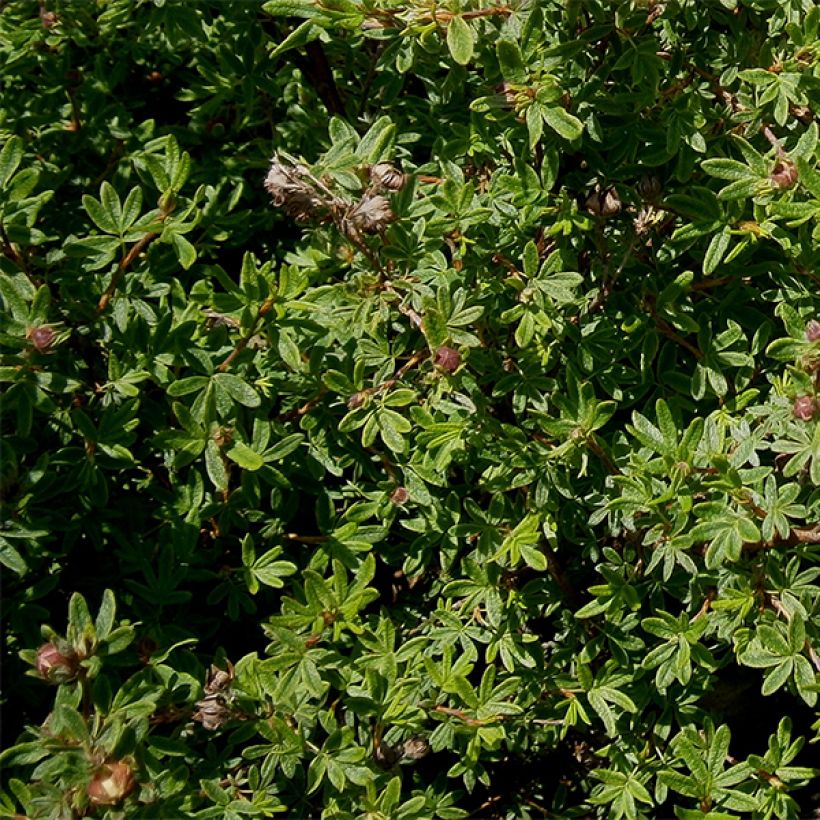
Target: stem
(243,342)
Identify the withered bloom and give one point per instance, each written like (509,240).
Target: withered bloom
(649,187)
(386,177)
(603,202)
(291,189)
(415,748)
(372,214)
(213,712)
(111,784)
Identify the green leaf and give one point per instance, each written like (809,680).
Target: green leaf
(238,389)
(562,122)
(11,155)
(244,456)
(511,61)
(718,246)
(460,40)
(377,143)
(186,252)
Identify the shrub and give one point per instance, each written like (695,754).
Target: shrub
(425,399)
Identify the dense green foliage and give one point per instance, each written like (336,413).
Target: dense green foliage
(471,469)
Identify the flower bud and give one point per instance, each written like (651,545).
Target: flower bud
(813,330)
(784,174)
(804,408)
(41,338)
(399,496)
(111,783)
(447,358)
(57,666)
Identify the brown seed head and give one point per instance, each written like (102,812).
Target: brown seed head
(111,784)
(804,408)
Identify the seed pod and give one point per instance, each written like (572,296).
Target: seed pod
(56,664)
(111,784)
(448,359)
(804,408)
(813,330)
(386,177)
(784,174)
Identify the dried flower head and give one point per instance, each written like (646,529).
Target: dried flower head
(111,784)
(813,330)
(804,408)
(212,712)
(218,679)
(415,748)
(57,664)
(386,177)
(372,214)
(447,358)
(603,202)
(291,189)
(649,187)
(784,174)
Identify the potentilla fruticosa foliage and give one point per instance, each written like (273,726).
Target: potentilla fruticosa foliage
(410,409)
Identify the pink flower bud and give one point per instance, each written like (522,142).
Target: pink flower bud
(399,496)
(784,174)
(448,358)
(813,330)
(56,666)
(804,408)
(41,338)
(111,783)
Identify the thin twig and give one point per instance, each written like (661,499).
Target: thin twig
(243,342)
